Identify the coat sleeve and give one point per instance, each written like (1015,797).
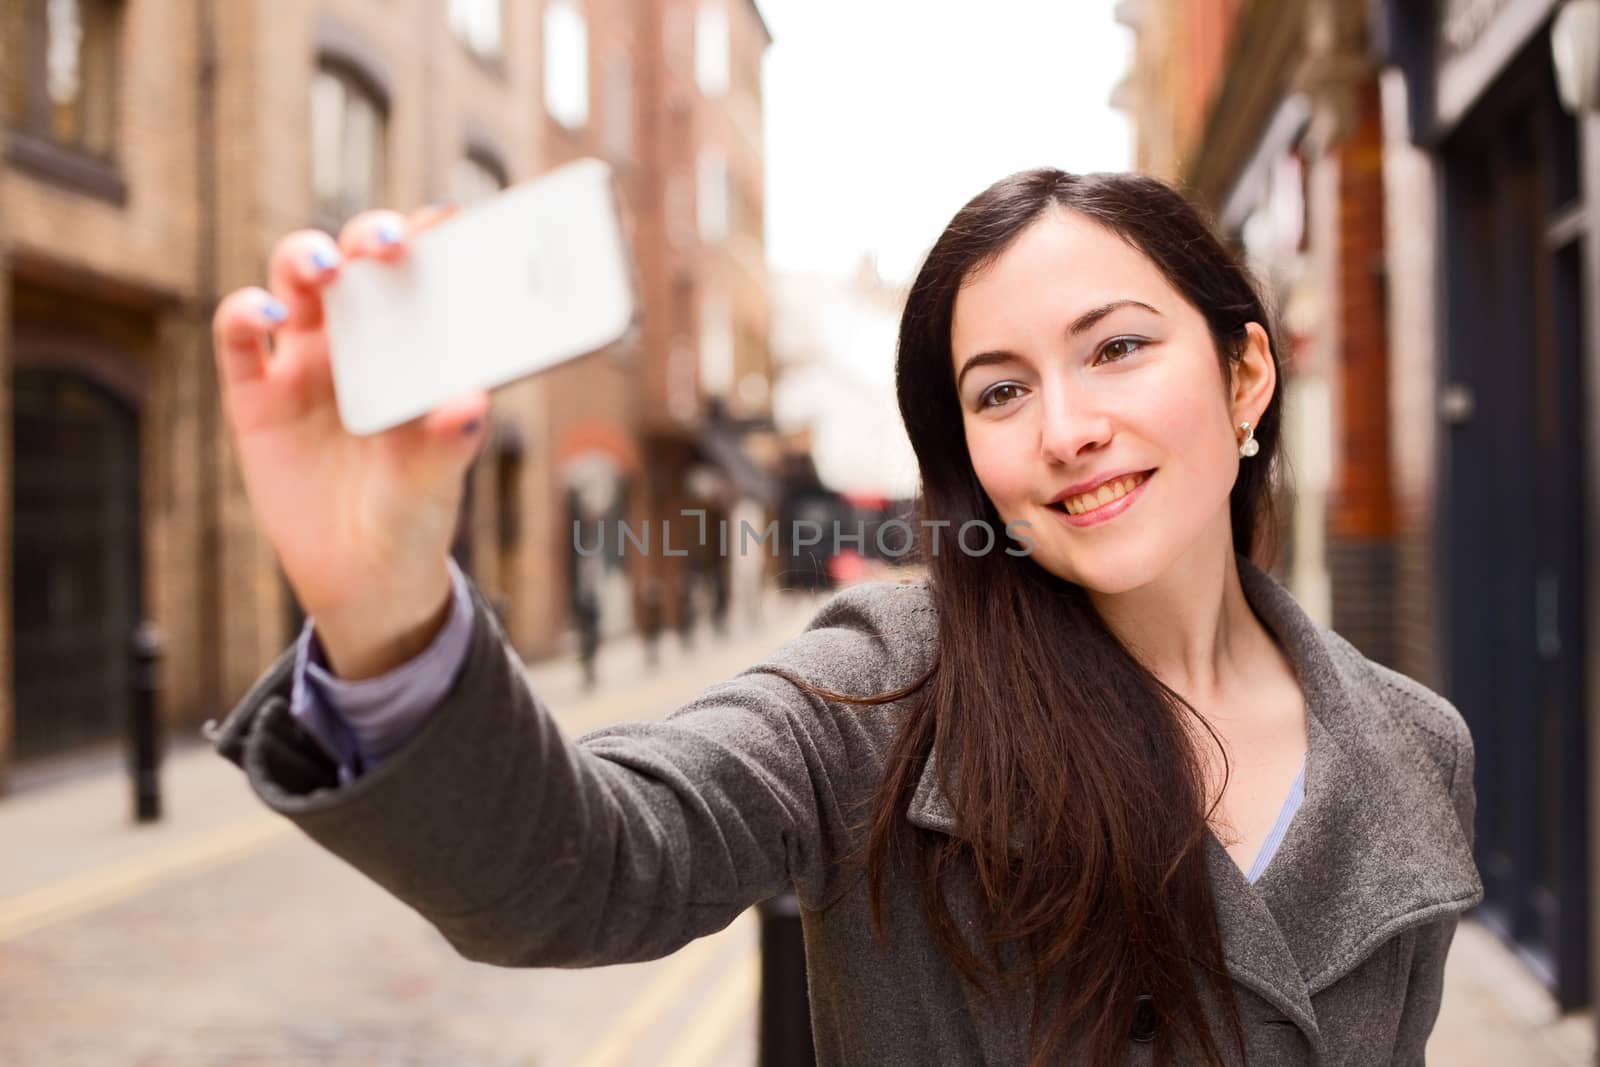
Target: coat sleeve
(525,848)
(1425,985)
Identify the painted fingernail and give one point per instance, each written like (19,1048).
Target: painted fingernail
(388,232)
(274,310)
(324,258)
(471,428)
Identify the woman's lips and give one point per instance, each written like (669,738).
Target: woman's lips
(1107,511)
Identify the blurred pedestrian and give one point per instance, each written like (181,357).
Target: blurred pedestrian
(686,608)
(650,608)
(586,611)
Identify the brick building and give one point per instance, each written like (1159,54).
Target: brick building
(155,151)
(1282,150)
(1421,198)
(705,406)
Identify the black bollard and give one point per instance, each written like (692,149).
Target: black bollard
(142,728)
(784,1034)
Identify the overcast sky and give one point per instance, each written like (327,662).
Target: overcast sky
(884,116)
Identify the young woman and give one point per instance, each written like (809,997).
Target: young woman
(1095,790)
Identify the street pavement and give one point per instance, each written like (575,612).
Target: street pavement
(1496,1014)
(221,936)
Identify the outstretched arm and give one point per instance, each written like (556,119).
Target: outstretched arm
(526,849)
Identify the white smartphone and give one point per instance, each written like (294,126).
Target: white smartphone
(536,275)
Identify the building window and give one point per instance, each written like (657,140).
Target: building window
(476,176)
(566,64)
(619,106)
(712,209)
(61,72)
(348,144)
(716,345)
(711,48)
(478,24)
(712,199)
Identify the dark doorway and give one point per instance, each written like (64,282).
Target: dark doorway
(1511,517)
(76,587)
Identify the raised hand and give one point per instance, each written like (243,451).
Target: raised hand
(361,525)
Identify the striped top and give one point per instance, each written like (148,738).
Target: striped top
(1297,793)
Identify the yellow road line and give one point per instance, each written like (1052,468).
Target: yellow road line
(732,1001)
(78,895)
(675,980)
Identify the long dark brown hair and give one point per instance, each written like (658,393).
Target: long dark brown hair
(1045,723)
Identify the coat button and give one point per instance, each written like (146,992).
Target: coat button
(1144,1018)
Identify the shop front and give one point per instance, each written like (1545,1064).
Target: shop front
(1515,452)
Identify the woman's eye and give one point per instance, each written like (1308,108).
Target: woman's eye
(990,393)
(1119,348)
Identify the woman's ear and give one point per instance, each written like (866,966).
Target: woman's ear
(1255,376)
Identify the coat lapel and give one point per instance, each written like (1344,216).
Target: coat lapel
(1375,847)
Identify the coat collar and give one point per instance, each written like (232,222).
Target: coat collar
(1375,847)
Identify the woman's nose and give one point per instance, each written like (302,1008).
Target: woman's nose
(1071,427)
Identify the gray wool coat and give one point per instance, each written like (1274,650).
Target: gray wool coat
(525,848)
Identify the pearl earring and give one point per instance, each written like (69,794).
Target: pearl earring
(1250,446)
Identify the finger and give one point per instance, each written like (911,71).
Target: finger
(434,449)
(461,420)
(301,264)
(239,330)
(380,234)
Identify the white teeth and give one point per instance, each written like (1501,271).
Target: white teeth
(1108,492)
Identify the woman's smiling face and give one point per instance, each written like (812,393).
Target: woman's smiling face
(1079,365)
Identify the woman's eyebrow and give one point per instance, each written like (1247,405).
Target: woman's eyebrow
(982,359)
(1082,324)
(1087,320)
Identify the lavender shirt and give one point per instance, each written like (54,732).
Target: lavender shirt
(360,724)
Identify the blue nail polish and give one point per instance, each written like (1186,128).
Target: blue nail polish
(388,232)
(324,258)
(471,428)
(274,310)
